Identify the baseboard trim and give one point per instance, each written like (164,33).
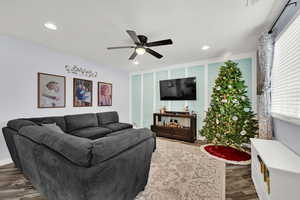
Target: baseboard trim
(5,161)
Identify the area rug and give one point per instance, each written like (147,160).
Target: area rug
(178,171)
(182,172)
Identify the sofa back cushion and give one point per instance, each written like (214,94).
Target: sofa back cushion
(75,149)
(59,121)
(105,118)
(110,146)
(17,124)
(76,122)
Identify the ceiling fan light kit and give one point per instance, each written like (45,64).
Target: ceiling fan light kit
(142,44)
(140,50)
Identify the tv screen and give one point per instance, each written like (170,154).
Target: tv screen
(178,89)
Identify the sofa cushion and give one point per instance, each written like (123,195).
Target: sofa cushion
(17,124)
(60,121)
(75,149)
(129,130)
(107,118)
(117,126)
(108,147)
(76,122)
(91,132)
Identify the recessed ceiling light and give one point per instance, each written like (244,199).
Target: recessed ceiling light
(140,50)
(136,62)
(50,25)
(205,47)
(227,55)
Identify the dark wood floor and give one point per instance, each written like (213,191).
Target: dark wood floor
(239,185)
(13,186)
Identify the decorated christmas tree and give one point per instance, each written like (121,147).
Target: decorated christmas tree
(229,120)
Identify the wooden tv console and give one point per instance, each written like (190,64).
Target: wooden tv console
(175,125)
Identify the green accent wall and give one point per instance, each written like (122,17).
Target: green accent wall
(151,94)
(160,75)
(198,105)
(246,68)
(148,93)
(136,92)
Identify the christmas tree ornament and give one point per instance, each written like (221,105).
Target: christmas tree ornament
(243,98)
(229,86)
(235,118)
(224,101)
(235,101)
(243,132)
(218,88)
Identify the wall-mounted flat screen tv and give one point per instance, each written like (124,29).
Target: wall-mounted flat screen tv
(178,89)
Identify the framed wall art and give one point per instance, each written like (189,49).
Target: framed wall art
(82,93)
(51,91)
(104,94)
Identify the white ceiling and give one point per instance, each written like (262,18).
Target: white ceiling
(87,27)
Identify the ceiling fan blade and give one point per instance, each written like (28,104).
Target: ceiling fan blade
(154,53)
(123,47)
(159,43)
(133,36)
(133,55)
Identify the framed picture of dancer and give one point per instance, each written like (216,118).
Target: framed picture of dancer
(104,94)
(51,91)
(82,93)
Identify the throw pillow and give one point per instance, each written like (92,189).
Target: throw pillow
(53,127)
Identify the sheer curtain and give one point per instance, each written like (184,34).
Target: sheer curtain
(265,63)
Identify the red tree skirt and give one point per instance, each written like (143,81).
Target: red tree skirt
(227,154)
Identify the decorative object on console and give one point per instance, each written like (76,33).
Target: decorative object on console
(51,91)
(163,110)
(74,69)
(82,93)
(229,120)
(104,94)
(186,108)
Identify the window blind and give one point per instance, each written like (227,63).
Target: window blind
(286,73)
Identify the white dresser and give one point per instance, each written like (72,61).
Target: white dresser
(275,170)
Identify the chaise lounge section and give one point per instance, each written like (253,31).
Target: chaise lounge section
(93,157)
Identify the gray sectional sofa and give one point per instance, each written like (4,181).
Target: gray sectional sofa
(84,157)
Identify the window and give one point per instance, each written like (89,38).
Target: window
(286,74)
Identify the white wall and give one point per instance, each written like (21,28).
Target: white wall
(19,63)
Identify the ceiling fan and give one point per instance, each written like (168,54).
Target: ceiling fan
(142,44)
